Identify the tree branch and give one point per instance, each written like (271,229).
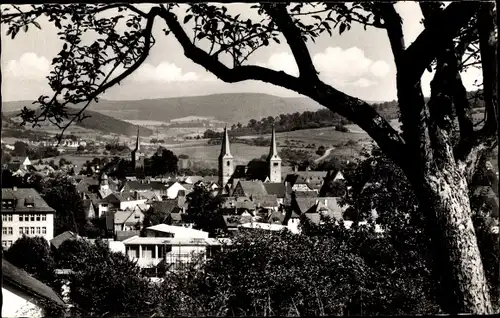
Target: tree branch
(352,108)
(393,25)
(293,36)
(229,75)
(104,86)
(419,55)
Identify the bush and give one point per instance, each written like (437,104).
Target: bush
(341,128)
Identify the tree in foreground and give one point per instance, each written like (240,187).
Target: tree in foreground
(439,147)
(105,282)
(34,256)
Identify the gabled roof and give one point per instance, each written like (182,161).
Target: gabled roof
(330,207)
(126,217)
(61,238)
(305,203)
(275,188)
(22,280)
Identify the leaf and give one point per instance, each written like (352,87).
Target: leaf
(342,28)
(25,28)
(317,17)
(276,40)
(200,35)
(187,18)
(65,46)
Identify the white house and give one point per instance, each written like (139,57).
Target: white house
(173,190)
(23,295)
(150,251)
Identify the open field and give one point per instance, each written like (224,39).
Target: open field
(327,137)
(210,153)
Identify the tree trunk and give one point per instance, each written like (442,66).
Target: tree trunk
(457,260)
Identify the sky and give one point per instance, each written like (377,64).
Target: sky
(359,62)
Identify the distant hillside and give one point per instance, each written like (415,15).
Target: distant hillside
(97,121)
(231,108)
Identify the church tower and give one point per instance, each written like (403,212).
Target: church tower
(104,184)
(226,161)
(274,161)
(137,156)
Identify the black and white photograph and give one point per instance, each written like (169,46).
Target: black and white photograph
(253,159)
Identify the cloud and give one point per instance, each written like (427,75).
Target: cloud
(165,72)
(342,67)
(363,82)
(29,66)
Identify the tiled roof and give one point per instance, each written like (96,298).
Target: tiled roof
(305,203)
(166,206)
(61,238)
(275,188)
(330,207)
(22,280)
(306,177)
(152,185)
(253,188)
(266,200)
(306,194)
(22,194)
(123,235)
(121,217)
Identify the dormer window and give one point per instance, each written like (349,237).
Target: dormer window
(29,202)
(228,163)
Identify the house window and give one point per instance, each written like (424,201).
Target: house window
(9,217)
(10,230)
(44,217)
(32,217)
(228,163)
(9,243)
(4,243)
(147,252)
(132,251)
(4,230)
(21,218)
(44,230)
(275,164)
(37,230)
(21,231)
(38,217)
(32,230)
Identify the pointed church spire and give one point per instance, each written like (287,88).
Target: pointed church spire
(273,152)
(137,141)
(225,149)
